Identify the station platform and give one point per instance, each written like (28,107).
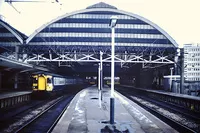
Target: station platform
(13,98)
(86,115)
(4,95)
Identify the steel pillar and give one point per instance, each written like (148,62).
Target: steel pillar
(16,52)
(182,71)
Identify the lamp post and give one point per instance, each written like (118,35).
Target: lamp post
(113,22)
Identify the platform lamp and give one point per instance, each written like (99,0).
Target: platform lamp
(113,22)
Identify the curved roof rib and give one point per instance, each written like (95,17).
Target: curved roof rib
(12,30)
(103,7)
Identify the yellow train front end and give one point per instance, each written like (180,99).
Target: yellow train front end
(42,83)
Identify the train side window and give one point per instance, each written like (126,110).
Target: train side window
(49,80)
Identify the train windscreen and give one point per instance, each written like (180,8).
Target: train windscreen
(35,80)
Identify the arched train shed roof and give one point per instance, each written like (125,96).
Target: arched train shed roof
(105,8)
(12,30)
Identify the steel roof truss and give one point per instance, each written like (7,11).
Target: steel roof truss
(106,58)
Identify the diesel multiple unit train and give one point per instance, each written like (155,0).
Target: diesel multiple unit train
(43,82)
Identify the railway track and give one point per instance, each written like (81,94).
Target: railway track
(174,116)
(22,120)
(12,115)
(195,116)
(47,119)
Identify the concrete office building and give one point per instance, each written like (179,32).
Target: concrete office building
(192,62)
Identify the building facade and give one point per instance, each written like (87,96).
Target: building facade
(192,62)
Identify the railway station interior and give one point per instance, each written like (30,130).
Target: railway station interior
(99,70)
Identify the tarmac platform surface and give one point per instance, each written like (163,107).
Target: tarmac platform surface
(11,94)
(85,114)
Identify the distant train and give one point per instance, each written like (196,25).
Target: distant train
(91,80)
(107,80)
(50,82)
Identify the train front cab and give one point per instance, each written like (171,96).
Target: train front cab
(42,83)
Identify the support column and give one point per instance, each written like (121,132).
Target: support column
(175,65)
(17,52)
(16,81)
(99,84)
(182,71)
(101,71)
(0,80)
(171,73)
(159,79)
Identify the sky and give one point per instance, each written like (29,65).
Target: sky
(179,18)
